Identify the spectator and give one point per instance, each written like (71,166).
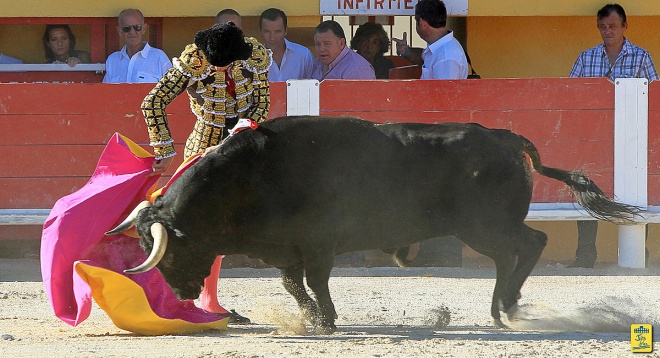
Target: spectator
(60,46)
(290,60)
(371,42)
(226,76)
(615,58)
(335,60)
(229,15)
(137,62)
(8,60)
(444,57)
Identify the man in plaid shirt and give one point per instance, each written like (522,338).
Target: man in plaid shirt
(615,58)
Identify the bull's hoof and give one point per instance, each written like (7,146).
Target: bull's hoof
(235,318)
(499,324)
(313,315)
(322,330)
(512,312)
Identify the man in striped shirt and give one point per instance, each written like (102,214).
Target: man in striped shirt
(615,58)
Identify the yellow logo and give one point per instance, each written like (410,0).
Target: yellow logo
(641,338)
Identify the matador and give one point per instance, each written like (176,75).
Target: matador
(219,96)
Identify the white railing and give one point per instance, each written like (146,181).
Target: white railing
(49,67)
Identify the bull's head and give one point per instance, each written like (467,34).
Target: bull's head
(179,260)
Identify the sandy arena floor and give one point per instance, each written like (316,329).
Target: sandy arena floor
(383,312)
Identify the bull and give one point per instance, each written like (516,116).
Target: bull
(297,191)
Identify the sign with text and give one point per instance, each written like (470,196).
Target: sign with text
(385,7)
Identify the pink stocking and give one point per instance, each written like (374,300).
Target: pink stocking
(209,295)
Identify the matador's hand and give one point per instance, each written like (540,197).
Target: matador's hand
(160,166)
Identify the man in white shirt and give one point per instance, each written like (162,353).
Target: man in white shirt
(137,62)
(444,57)
(291,61)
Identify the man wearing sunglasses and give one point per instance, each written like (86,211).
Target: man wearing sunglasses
(137,62)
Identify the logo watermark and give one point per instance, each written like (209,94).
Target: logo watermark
(641,338)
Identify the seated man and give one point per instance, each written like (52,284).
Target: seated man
(335,60)
(137,62)
(615,58)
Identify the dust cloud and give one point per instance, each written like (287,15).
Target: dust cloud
(606,315)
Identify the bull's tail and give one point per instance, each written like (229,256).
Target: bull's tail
(587,193)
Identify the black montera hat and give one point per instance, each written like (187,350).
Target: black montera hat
(223,44)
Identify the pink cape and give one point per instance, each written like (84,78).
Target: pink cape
(79,262)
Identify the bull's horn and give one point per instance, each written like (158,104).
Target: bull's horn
(159,234)
(130,219)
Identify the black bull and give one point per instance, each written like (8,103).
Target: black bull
(299,190)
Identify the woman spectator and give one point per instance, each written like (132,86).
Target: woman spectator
(371,42)
(60,46)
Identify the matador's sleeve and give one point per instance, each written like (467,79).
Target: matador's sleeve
(190,65)
(172,84)
(258,64)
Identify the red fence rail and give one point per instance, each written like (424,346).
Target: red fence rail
(51,135)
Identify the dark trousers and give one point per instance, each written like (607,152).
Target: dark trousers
(586,246)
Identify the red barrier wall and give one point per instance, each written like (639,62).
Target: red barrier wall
(51,135)
(570,120)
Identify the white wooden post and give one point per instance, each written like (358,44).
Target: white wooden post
(302,98)
(631,110)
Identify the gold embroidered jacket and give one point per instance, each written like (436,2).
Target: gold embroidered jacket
(216,110)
